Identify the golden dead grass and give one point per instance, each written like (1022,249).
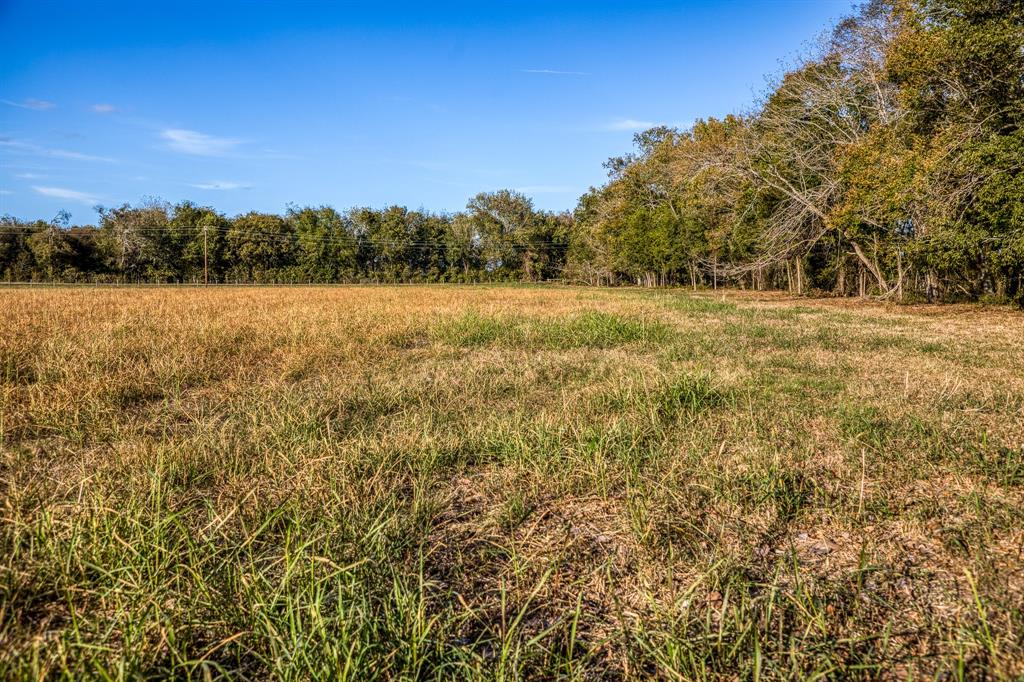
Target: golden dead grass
(498,481)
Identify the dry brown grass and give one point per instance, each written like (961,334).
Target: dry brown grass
(489,482)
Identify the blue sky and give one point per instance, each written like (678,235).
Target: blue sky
(252,105)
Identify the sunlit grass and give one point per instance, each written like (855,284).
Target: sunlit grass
(589,329)
(484,483)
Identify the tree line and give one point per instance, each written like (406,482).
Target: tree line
(500,236)
(886,162)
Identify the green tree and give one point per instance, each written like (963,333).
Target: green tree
(261,248)
(327,246)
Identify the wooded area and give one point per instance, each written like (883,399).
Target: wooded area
(887,163)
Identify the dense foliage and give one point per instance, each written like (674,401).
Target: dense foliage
(888,162)
(500,237)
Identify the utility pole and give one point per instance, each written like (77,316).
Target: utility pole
(206,272)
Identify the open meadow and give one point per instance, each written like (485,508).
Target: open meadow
(507,482)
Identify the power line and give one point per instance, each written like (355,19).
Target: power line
(352,240)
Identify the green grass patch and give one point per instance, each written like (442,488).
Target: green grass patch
(699,305)
(590,329)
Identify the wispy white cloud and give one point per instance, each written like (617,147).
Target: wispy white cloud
(30,103)
(5,192)
(628,124)
(29,176)
(22,147)
(555,72)
(77,156)
(221,185)
(69,194)
(198,144)
(103,108)
(546,189)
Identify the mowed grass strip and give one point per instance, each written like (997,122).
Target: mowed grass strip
(493,483)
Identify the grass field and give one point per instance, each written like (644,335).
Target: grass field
(444,482)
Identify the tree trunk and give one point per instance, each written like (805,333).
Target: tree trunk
(873,268)
(899,269)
